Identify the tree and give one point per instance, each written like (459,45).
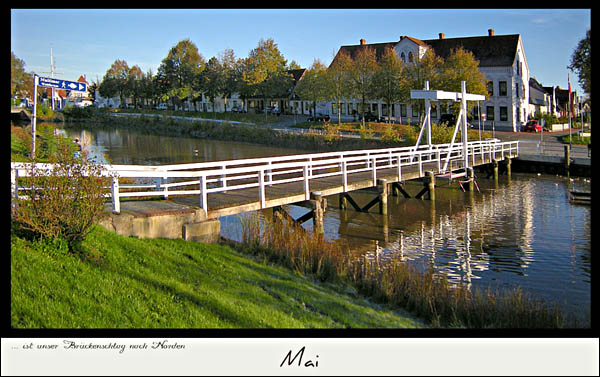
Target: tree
(338,79)
(364,69)
(460,66)
(20,81)
(135,83)
(213,81)
(581,63)
(426,68)
(115,81)
(313,86)
(147,88)
(265,70)
(388,81)
(231,73)
(293,65)
(180,69)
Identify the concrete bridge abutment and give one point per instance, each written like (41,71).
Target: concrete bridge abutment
(162,219)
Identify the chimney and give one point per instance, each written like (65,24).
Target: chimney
(490,32)
(442,35)
(363,42)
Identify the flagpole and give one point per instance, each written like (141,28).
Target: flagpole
(569,108)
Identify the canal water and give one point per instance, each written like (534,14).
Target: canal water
(521,232)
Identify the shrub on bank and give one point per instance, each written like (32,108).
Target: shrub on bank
(63,201)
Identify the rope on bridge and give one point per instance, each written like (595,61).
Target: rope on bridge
(461,182)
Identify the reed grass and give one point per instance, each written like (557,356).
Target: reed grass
(425,294)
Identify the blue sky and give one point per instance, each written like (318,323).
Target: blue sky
(88,41)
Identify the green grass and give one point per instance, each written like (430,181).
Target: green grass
(114,281)
(576,139)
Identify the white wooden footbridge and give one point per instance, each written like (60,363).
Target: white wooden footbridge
(220,188)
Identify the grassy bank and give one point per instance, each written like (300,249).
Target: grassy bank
(325,138)
(312,141)
(114,281)
(46,143)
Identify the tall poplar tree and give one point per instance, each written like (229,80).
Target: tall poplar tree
(389,83)
(180,70)
(339,76)
(314,86)
(364,69)
(265,70)
(116,81)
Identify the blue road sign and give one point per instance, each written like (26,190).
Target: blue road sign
(62,84)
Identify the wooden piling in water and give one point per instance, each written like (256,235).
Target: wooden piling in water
(430,183)
(383,196)
(471,177)
(318,212)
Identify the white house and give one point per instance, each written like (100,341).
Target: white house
(501,59)
(540,101)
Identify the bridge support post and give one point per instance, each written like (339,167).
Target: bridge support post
(318,212)
(430,182)
(428,186)
(471,177)
(508,164)
(343,202)
(383,196)
(495,169)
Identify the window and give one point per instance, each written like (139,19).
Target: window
(490,88)
(403,57)
(334,108)
(502,88)
(403,110)
(414,111)
(489,113)
(410,56)
(504,114)
(517,89)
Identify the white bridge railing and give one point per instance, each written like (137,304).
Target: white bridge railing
(225,176)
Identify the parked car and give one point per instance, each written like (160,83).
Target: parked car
(319,118)
(161,106)
(83,103)
(236,109)
(369,117)
(532,125)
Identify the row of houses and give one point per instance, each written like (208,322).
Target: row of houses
(514,95)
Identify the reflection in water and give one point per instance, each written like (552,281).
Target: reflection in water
(138,148)
(523,233)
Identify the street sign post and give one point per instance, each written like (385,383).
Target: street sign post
(48,82)
(482,116)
